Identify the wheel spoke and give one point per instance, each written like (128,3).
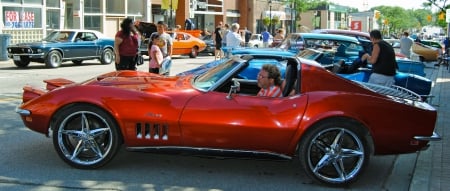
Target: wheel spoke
(98,132)
(351,153)
(72,133)
(96,148)
(340,169)
(84,123)
(77,150)
(338,139)
(324,161)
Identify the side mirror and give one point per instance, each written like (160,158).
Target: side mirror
(234,88)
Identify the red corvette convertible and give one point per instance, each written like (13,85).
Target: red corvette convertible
(332,128)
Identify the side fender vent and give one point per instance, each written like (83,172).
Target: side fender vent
(154,131)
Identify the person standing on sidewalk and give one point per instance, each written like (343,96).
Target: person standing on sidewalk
(156,56)
(265,38)
(406,44)
(126,44)
(382,60)
(166,45)
(217,37)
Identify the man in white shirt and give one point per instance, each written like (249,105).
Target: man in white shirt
(234,39)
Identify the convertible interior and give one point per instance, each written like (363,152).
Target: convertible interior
(250,86)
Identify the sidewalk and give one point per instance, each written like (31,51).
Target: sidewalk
(432,171)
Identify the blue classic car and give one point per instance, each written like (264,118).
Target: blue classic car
(64,45)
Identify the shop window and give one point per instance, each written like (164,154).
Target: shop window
(18,17)
(116,7)
(92,6)
(135,7)
(53,3)
(92,22)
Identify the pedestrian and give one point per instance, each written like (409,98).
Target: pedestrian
(382,59)
(166,46)
(278,38)
(447,45)
(126,44)
(405,44)
(155,53)
(217,37)
(265,37)
(225,31)
(234,39)
(247,36)
(269,80)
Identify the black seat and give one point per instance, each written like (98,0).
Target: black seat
(290,79)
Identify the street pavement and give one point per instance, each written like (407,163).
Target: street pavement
(432,166)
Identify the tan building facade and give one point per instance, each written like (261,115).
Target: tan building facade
(31,20)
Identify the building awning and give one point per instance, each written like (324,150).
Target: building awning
(280,14)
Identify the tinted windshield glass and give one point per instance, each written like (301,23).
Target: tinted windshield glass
(59,36)
(208,79)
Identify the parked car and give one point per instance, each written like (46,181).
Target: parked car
(210,47)
(351,33)
(183,43)
(326,126)
(256,41)
(425,52)
(64,45)
(340,47)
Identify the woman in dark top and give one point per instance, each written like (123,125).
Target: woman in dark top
(126,44)
(382,59)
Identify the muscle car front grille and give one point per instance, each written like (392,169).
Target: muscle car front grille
(152,131)
(20,50)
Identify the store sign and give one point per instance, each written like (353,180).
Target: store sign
(356,25)
(15,20)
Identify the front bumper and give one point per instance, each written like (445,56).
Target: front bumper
(434,137)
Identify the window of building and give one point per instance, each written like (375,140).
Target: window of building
(18,17)
(53,3)
(11,1)
(53,18)
(135,7)
(39,2)
(92,6)
(116,7)
(92,22)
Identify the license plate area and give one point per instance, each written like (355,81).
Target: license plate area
(16,58)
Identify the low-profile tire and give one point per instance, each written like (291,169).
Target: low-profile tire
(334,152)
(77,62)
(194,52)
(53,59)
(23,62)
(107,56)
(85,136)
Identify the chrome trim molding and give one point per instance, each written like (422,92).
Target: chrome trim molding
(434,137)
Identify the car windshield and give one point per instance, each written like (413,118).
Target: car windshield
(59,36)
(255,37)
(208,79)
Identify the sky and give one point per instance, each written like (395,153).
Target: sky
(406,4)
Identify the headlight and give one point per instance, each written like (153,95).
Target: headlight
(39,50)
(9,50)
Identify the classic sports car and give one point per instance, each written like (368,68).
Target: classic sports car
(64,45)
(327,126)
(256,41)
(183,43)
(210,48)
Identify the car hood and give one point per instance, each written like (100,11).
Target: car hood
(35,44)
(141,81)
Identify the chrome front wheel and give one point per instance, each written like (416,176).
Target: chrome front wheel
(85,137)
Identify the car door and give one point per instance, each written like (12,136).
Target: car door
(85,45)
(243,122)
(181,44)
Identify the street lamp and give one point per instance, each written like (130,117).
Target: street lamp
(270,17)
